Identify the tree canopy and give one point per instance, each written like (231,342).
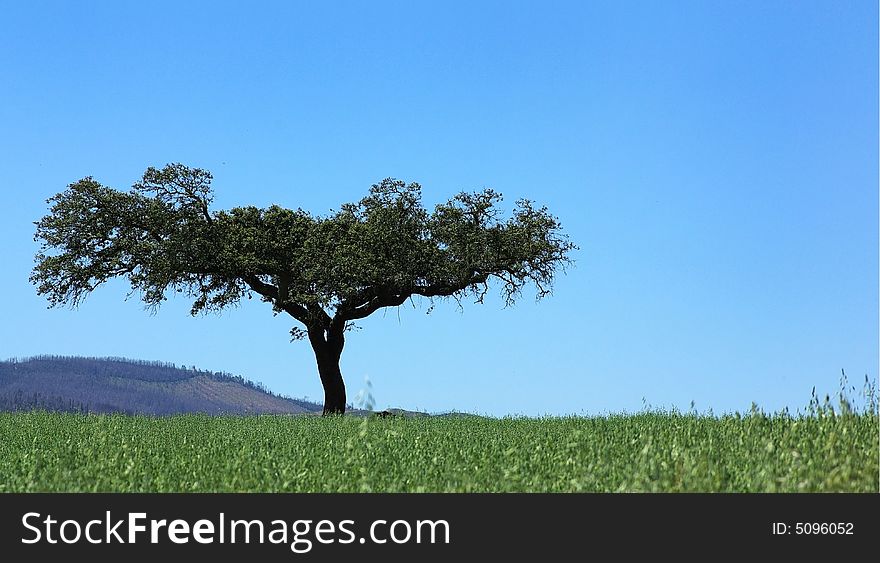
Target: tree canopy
(325,272)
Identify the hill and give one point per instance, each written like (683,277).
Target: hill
(74,384)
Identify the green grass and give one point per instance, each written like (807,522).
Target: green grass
(644,452)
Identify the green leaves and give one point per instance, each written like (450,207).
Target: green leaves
(179,186)
(98,234)
(372,254)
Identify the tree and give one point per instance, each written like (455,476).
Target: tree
(325,272)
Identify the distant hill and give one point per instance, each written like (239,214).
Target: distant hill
(106,385)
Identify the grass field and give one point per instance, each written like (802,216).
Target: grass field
(643,452)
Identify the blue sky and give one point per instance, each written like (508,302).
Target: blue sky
(716,162)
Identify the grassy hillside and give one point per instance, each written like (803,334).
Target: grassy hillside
(644,452)
(107,385)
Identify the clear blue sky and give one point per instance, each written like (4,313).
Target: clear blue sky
(717,163)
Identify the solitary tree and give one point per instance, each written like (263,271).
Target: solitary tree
(325,272)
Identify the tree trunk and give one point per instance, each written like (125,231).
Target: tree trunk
(328,350)
(334,387)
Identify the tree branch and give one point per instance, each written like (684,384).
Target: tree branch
(270,292)
(374,298)
(267,290)
(352,314)
(318,313)
(448,290)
